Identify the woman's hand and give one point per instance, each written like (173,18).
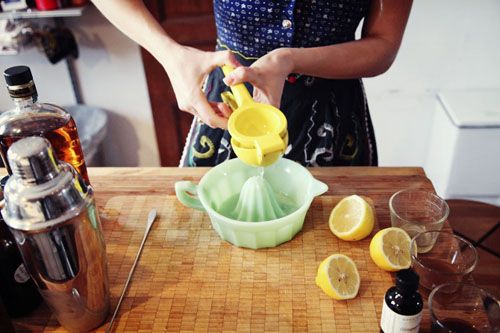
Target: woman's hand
(267,75)
(187,69)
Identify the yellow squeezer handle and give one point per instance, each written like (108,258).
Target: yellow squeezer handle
(240,92)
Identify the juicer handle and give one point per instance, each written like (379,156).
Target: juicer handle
(267,144)
(187,193)
(240,92)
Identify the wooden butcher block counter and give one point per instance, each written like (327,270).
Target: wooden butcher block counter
(188,279)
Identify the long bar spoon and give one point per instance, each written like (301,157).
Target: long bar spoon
(151,219)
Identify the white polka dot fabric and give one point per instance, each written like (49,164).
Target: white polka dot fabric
(255,27)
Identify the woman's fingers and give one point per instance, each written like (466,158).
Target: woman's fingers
(271,99)
(267,90)
(240,75)
(221,108)
(225,58)
(187,80)
(215,114)
(207,114)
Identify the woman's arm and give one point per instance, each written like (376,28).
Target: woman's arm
(135,21)
(369,56)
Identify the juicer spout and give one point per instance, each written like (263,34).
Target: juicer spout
(318,187)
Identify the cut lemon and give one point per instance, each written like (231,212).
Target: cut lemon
(390,249)
(352,219)
(338,277)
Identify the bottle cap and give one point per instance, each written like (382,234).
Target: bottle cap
(20,82)
(17,75)
(407,279)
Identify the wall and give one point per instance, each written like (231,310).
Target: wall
(111,77)
(448,44)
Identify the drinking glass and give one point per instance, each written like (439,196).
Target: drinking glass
(416,211)
(462,307)
(450,259)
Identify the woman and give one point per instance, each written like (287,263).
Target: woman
(298,55)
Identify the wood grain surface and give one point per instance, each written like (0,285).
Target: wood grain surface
(190,280)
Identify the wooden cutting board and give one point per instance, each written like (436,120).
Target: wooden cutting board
(188,279)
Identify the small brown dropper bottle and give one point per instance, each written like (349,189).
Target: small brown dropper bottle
(402,308)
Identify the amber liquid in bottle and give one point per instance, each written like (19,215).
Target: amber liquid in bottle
(60,130)
(30,118)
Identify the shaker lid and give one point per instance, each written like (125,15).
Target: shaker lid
(42,191)
(17,75)
(32,160)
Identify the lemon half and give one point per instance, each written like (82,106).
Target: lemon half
(390,249)
(338,277)
(352,218)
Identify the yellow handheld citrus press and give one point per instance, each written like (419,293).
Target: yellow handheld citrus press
(259,134)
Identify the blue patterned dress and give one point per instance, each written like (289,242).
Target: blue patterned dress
(328,120)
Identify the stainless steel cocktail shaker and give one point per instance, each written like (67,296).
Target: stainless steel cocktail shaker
(53,217)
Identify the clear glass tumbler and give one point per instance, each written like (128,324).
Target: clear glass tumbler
(416,211)
(461,307)
(450,259)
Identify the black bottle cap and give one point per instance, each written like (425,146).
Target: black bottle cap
(17,75)
(407,279)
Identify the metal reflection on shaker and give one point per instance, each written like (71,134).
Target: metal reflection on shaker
(53,217)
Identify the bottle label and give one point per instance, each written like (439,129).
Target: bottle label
(21,275)
(392,322)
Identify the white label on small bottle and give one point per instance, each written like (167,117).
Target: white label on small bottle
(392,322)
(21,275)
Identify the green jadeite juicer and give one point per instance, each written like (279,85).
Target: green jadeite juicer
(286,178)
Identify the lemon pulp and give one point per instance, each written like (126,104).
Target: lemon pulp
(390,249)
(338,277)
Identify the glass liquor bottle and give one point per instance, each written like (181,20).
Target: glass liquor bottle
(30,118)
